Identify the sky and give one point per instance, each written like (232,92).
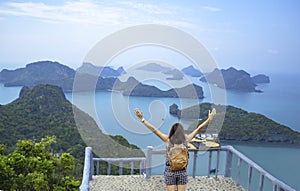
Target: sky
(256,36)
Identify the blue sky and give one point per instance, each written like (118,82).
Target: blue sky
(257,36)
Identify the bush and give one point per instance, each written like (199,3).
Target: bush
(31,166)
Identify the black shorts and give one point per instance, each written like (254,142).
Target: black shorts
(177,177)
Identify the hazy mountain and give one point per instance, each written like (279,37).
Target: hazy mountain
(87,79)
(172,73)
(191,71)
(42,72)
(233,79)
(103,72)
(260,78)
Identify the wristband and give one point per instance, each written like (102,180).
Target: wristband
(143,120)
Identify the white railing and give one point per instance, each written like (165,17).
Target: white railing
(146,165)
(141,162)
(89,163)
(87,170)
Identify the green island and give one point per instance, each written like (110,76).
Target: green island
(42,115)
(238,125)
(88,78)
(233,79)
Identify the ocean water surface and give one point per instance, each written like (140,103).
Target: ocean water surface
(279,101)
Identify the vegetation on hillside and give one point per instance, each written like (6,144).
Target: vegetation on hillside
(32,166)
(87,78)
(44,111)
(233,79)
(238,124)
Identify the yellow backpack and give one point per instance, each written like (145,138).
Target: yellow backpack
(178,157)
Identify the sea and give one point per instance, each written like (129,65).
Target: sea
(279,101)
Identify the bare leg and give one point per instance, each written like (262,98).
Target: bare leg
(171,187)
(181,187)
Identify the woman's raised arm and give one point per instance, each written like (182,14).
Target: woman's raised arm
(202,125)
(140,115)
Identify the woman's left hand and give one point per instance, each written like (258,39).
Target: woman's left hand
(211,114)
(139,114)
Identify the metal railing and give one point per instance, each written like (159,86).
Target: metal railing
(109,161)
(88,170)
(146,163)
(277,184)
(89,163)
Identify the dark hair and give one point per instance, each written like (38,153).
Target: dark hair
(177,135)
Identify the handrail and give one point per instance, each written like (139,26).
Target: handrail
(277,184)
(141,160)
(88,170)
(146,162)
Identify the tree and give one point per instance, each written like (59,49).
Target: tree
(32,166)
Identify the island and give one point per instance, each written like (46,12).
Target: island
(233,79)
(92,78)
(43,111)
(191,71)
(174,73)
(239,125)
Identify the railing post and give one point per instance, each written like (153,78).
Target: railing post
(97,167)
(261,182)
(194,163)
(148,162)
(228,164)
(131,168)
(209,164)
(91,164)
(120,168)
(142,167)
(238,175)
(108,168)
(218,161)
(249,177)
(88,170)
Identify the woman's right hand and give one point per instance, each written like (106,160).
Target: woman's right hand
(139,114)
(211,114)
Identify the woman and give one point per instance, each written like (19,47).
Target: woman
(175,179)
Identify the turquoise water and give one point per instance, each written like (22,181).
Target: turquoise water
(279,102)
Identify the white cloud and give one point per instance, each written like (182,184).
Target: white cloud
(212,9)
(149,8)
(89,12)
(70,12)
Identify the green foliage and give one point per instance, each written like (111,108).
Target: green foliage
(240,125)
(2,149)
(41,111)
(32,167)
(44,111)
(42,72)
(122,141)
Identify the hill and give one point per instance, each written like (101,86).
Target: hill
(89,78)
(134,88)
(42,72)
(102,71)
(44,111)
(260,78)
(191,71)
(239,125)
(173,73)
(233,79)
